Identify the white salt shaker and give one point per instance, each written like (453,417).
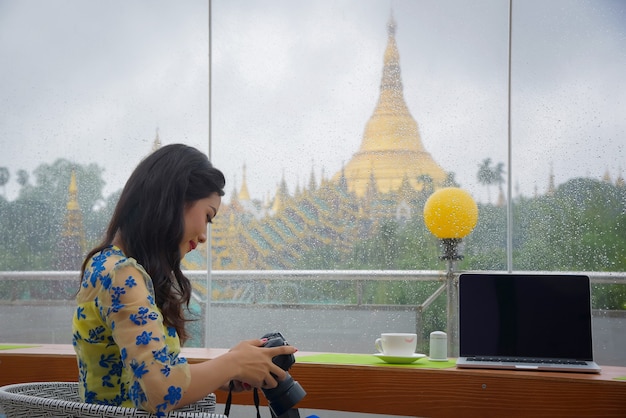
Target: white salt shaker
(438,346)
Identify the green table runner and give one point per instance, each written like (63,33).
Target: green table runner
(369,359)
(14,346)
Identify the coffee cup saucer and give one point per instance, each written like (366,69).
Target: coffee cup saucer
(400,359)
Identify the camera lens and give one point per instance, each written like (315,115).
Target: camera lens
(284,396)
(288,392)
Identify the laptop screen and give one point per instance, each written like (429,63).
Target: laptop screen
(525,315)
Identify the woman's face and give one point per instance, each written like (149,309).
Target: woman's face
(197,215)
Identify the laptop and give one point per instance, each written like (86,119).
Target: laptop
(525,322)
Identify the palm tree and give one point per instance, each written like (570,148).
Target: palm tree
(486,175)
(428,184)
(4,179)
(498,177)
(450,180)
(22,177)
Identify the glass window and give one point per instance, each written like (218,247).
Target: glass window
(88,90)
(334,124)
(337,122)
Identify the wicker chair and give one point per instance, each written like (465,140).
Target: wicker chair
(60,400)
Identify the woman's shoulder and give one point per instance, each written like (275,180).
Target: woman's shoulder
(106,263)
(105,260)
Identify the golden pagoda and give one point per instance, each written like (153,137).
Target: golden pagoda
(389,178)
(72,243)
(391,148)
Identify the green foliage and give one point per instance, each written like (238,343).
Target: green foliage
(97,219)
(581,227)
(22,177)
(52,183)
(488,175)
(33,222)
(4,176)
(485,247)
(394,246)
(30,235)
(608,296)
(320,258)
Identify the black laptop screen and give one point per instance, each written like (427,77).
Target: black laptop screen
(545,316)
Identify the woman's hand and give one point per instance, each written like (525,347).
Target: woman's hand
(255,366)
(237,386)
(247,365)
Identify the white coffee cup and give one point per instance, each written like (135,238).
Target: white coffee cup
(399,344)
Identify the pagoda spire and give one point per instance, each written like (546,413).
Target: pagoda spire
(607,176)
(281,196)
(391,146)
(343,184)
(391,115)
(551,186)
(157,141)
(72,243)
(234,196)
(619,182)
(312,182)
(244,194)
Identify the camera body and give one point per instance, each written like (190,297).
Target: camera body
(288,392)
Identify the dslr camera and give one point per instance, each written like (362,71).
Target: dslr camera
(288,392)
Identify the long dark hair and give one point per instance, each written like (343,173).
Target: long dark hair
(149,218)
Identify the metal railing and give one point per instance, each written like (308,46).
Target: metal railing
(358,277)
(252,293)
(345,301)
(389,275)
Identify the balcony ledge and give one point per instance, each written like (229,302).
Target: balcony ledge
(390,390)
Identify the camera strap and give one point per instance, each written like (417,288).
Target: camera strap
(229,400)
(255,395)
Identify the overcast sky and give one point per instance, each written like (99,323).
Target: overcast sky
(294,83)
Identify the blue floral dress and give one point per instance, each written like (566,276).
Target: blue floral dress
(126,356)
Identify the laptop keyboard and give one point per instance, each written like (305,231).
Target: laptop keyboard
(527,360)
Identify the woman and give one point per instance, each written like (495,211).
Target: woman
(129,322)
